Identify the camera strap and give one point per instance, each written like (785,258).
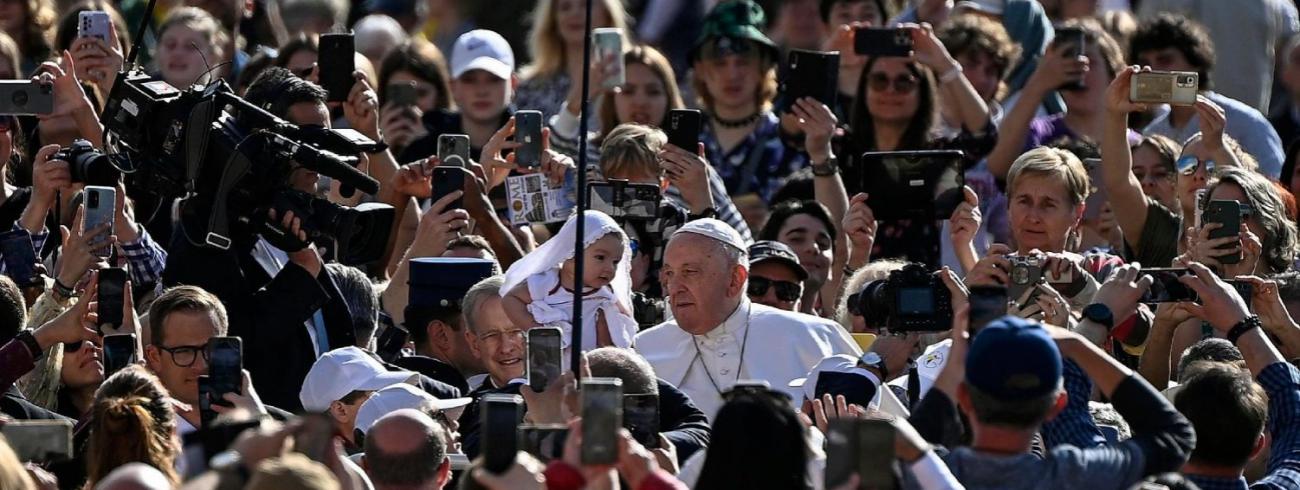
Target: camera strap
(237,166)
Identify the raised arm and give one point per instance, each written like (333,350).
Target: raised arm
(818,123)
(437,228)
(954,88)
(1123,188)
(1054,69)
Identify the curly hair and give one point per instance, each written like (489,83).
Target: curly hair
(131,421)
(1177,32)
(1279,234)
(969,33)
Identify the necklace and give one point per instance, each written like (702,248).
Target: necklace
(735,123)
(740,366)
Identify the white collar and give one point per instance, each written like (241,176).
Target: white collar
(732,326)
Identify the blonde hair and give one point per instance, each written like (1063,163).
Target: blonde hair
(202,22)
(545,44)
(632,147)
(1052,162)
(12,473)
(658,64)
(131,421)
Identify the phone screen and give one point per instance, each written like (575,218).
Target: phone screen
(336,63)
(19,256)
(608,45)
(601,196)
(225,367)
(641,418)
(119,352)
(501,416)
(544,356)
(987,303)
(602,416)
(1166,288)
(447,180)
(112,295)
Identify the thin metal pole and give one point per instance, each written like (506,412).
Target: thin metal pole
(576,350)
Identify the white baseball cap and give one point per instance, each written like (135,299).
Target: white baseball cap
(481,49)
(716,229)
(396,397)
(342,371)
(993,7)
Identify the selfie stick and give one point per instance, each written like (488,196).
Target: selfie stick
(581,205)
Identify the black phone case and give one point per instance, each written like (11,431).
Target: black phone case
(445,181)
(528,133)
(390,343)
(684,128)
(882,41)
(336,64)
(920,185)
(112,291)
(119,352)
(1228,213)
(810,74)
(1078,40)
(500,439)
(226,377)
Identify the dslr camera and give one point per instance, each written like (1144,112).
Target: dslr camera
(912,299)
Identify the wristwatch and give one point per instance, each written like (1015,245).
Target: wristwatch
(1100,314)
(873,360)
(828,168)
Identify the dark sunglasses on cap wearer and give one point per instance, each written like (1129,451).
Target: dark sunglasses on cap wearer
(785,290)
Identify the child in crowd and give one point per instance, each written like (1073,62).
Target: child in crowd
(538,289)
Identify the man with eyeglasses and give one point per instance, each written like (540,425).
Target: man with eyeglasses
(775,275)
(182,320)
(497,343)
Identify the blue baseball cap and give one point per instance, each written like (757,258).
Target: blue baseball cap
(1013,359)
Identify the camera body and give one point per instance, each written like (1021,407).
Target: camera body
(1025,273)
(912,299)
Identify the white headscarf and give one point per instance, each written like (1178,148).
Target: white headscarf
(559,248)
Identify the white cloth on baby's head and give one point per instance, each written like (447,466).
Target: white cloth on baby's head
(554,252)
(552,306)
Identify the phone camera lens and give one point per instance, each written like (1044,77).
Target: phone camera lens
(20,98)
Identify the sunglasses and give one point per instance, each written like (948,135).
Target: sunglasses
(903,84)
(1188,164)
(785,290)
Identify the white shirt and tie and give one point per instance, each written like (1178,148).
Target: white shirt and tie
(755,342)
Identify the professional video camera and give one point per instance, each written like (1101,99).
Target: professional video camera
(912,299)
(228,162)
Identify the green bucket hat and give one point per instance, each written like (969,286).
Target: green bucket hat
(729,25)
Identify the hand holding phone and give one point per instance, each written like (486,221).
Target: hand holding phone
(119,352)
(100,210)
(683,130)
(1227,214)
(225,367)
(528,134)
(607,51)
(447,180)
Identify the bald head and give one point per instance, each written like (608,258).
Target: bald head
(134,476)
(407,449)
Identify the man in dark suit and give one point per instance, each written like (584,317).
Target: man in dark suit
(434,318)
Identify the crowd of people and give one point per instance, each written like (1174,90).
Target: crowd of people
(1141,254)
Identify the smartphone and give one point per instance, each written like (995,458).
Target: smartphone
(1227,213)
(546,441)
(1077,41)
(402,94)
(1164,87)
(100,205)
(19,256)
(447,180)
(112,296)
(206,414)
(882,41)
(809,74)
(119,352)
(544,356)
(623,201)
(501,416)
(225,367)
(337,63)
(453,150)
(25,98)
(1165,286)
(390,343)
(607,44)
(602,416)
(93,23)
(39,440)
(684,127)
(528,133)
(864,447)
(987,303)
(1097,196)
(641,418)
(913,184)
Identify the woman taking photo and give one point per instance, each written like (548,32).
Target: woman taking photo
(556,45)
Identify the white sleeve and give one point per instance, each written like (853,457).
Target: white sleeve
(932,474)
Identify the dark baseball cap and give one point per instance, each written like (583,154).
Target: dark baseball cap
(773,250)
(1013,359)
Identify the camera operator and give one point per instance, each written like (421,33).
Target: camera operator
(282,300)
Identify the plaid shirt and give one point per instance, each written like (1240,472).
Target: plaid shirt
(1282,383)
(146,259)
(1074,426)
(776,161)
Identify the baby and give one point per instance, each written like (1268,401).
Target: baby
(539,288)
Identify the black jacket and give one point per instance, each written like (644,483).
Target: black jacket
(435,369)
(268,313)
